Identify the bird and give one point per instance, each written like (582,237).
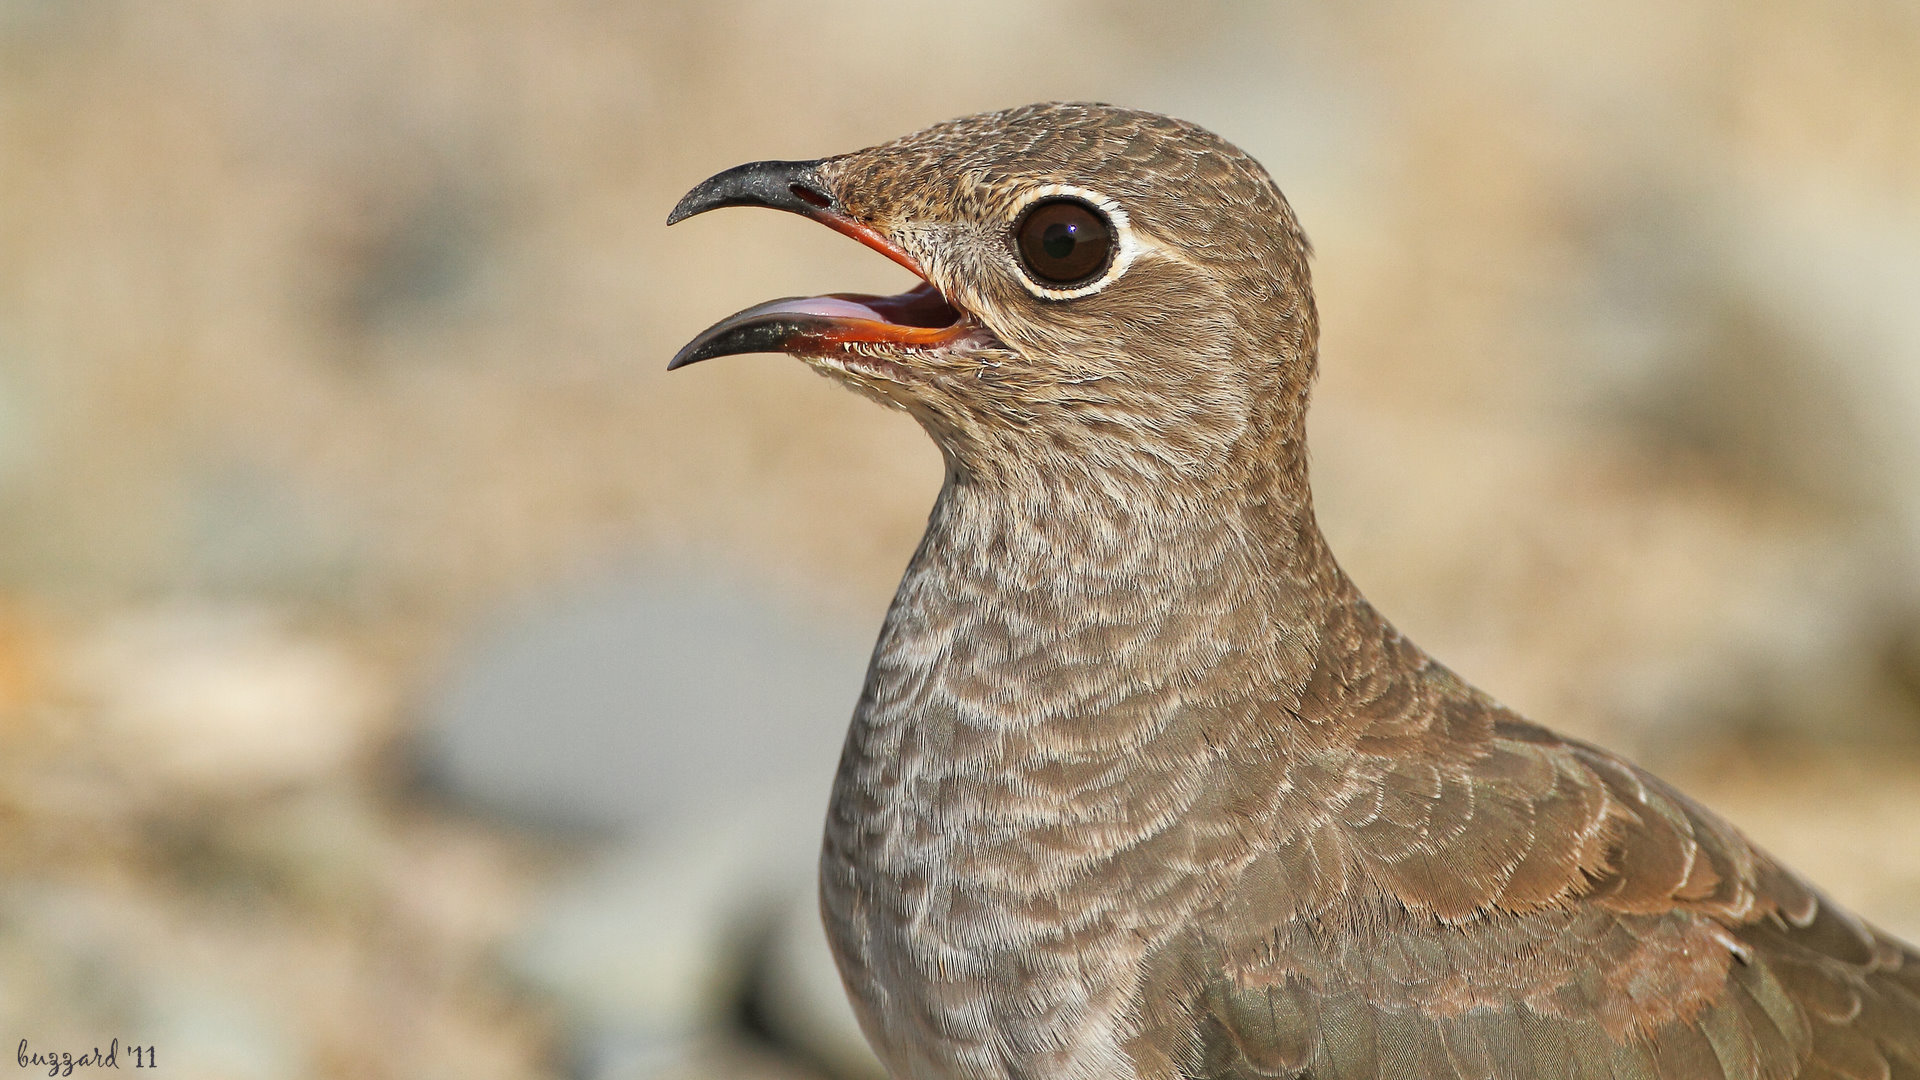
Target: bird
(1139,785)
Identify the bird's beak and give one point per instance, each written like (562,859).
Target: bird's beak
(918,319)
(794,186)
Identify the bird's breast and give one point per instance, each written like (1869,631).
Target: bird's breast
(1055,759)
(1016,821)
(953,887)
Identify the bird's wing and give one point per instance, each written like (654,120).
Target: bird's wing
(1522,905)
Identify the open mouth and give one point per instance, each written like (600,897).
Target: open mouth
(919,319)
(850,331)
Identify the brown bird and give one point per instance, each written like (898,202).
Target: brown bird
(1139,785)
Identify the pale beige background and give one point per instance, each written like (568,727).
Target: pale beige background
(330,331)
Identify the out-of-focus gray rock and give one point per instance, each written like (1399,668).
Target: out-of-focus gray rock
(701,722)
(649,947)
(644,700)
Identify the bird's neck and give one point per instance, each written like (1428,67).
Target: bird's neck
(1043,603)
(1067,672)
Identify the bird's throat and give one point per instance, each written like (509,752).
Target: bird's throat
(1086,612)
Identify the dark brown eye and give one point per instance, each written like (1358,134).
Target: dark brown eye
(1064,242)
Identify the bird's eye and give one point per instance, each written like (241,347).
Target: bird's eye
(1064,242)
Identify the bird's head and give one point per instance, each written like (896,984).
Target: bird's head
(1100,285)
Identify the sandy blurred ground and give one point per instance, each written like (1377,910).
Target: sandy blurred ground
(332,341)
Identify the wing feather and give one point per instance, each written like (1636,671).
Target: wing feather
(1539,910)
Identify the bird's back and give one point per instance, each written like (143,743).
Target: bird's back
(1448,890)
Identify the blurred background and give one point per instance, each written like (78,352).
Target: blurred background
(402,676)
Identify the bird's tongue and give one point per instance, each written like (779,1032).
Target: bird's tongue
(830,307)
(919,318)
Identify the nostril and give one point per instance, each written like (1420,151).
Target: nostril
(810,195)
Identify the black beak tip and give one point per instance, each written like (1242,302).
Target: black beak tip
(683,209)
(690,353)
(782,185)
(747,332)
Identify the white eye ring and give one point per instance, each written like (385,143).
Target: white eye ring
(1124,250)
